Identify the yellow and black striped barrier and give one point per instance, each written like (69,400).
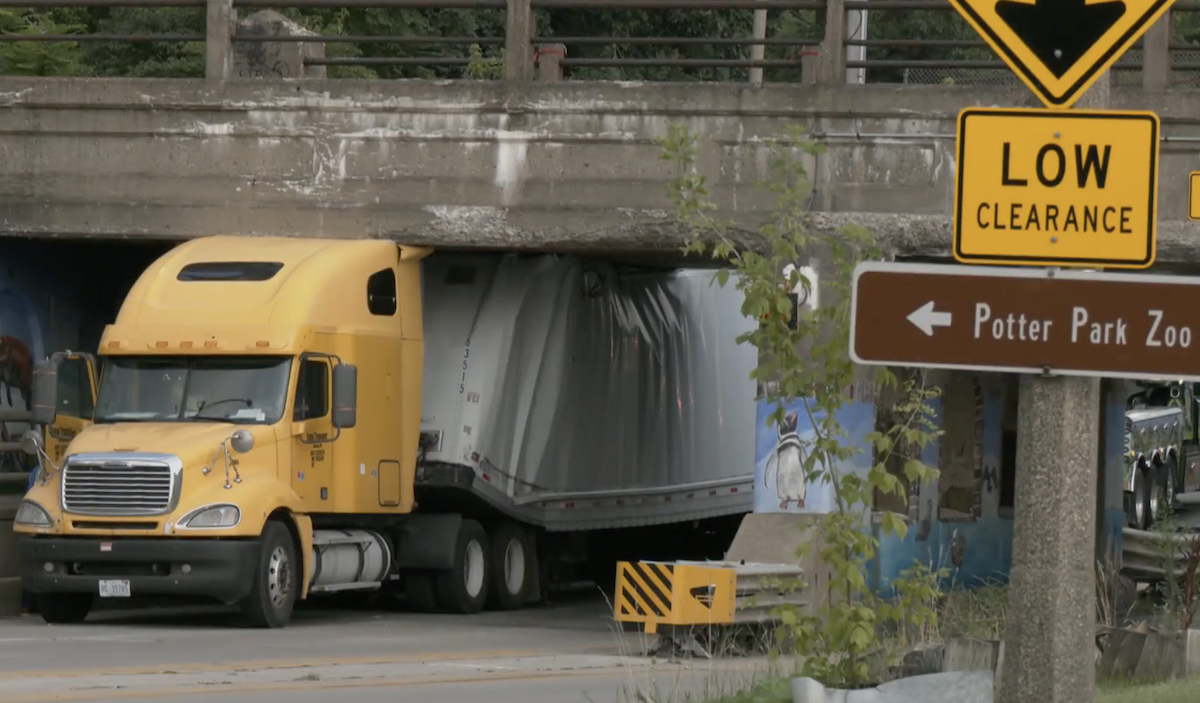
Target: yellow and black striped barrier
(656,593)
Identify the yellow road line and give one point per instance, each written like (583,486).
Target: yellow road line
(241,689)
(260,664)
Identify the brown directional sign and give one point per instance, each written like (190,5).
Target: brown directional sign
(1026,321)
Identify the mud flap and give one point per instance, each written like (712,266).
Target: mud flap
(427,541)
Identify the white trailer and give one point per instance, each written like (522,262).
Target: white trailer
(572,398)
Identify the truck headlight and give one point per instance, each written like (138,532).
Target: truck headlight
(31,514)
(211,517)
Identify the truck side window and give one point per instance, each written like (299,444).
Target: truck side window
(74,389)
(312,391)
(381,292)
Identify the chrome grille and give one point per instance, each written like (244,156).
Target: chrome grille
(112,484)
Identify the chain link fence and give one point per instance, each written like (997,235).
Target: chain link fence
(1186,73)
(1126,73)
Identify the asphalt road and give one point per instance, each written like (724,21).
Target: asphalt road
(566,653)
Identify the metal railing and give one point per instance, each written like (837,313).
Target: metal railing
(830,41)
(588,39)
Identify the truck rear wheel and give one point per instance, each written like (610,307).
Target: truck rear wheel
(1141,499)
(64,608)
(1168,484)
(273,593)
(1153,510)
(510,557)
(464,588)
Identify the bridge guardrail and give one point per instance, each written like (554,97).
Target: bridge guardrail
(829,41)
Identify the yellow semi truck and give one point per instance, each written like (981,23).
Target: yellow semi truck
(281,417)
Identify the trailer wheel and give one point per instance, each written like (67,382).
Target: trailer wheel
(273,593)
(464,588)
(64,608)
(511,556)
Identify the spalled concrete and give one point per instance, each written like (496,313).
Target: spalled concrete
(492,164)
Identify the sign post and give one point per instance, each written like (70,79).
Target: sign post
(1045,187)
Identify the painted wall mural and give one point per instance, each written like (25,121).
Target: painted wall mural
(21,343)
(780,484)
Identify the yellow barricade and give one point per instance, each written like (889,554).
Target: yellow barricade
(657,593)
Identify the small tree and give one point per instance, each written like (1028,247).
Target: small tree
(810,363)
(38,58)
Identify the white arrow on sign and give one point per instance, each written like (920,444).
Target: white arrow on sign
(925,318)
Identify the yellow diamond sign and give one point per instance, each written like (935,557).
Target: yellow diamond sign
(1060,47)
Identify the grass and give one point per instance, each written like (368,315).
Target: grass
(975,613)
(1182,691)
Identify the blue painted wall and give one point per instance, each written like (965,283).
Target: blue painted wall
(778,481)
(975,550)
(54,295)
(38,314)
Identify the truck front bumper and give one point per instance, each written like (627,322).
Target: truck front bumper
(220,568)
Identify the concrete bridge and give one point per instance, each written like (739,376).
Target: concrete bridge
(489,164)
(530,162)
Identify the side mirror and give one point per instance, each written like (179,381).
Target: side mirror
(31,442)
(345,395)
(241,441)
(45,392)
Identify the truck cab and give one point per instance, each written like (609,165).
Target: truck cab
(226,454)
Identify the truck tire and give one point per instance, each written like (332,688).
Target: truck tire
(64,608)
(276,583)
(1154,490)
(1168,484)
(463,589)
(1141,499)
(420,591)
(511,556)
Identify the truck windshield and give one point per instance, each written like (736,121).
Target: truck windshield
(240,390)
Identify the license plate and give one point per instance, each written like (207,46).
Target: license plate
(114,589)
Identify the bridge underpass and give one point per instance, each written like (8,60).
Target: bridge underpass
(519,165)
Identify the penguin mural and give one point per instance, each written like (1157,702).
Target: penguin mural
(787,460)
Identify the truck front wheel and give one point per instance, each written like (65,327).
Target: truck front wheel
(464,588)
(273,593)
(64,608)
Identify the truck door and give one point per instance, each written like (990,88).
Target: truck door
(76,401)
(312,426)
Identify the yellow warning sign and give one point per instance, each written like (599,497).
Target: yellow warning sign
(1049,188)
(1058,48)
